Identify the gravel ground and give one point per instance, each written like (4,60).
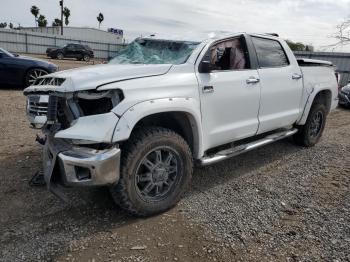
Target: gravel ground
(278,203)
(281,202)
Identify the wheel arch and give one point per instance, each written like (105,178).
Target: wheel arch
(177,114)
(323,96)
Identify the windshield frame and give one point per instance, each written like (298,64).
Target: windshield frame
(193,45)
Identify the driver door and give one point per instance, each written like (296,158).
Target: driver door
(230,93)
(69,50)
(2,68)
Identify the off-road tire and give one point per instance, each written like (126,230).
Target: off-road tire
(303,137)
(141,142)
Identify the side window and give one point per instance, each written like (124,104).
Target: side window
(230,55)
(270,53)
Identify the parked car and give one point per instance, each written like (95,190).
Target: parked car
(344,96)
(22,70)
(78,51)
(138,123)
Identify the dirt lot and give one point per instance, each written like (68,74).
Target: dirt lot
(279,203)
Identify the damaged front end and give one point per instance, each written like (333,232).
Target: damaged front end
(78,129)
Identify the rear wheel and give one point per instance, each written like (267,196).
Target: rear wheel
(310,133)
(156,168)
(33,74)
(86,58)
(60,56)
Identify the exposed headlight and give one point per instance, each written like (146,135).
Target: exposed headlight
(97,102)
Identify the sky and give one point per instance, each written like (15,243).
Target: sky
(309,21)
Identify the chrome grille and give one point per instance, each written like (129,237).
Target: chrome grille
(37,105)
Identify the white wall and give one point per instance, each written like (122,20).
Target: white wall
(82,33)
(19,41)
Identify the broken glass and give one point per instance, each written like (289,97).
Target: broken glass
(154,51)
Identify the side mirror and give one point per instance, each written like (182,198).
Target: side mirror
(16,55)
(205,67)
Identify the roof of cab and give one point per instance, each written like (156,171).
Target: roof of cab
(200,37)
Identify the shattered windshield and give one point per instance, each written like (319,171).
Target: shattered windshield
(151,51)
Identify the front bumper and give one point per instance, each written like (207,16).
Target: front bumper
(71,166)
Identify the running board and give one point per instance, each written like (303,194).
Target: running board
(235,151)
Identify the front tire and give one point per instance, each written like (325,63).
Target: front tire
(156,168)
(310,133)
(32,75)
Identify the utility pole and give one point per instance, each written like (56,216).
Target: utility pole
(61,4)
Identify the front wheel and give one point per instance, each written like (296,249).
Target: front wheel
(33,74)
(156,168)
(310,133)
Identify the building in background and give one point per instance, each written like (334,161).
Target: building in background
(82,33)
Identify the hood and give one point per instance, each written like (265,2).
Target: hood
(27,58)
(91,77)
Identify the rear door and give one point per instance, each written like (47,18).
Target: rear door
(79,51)
(281,84)
(69,50)
(230,93)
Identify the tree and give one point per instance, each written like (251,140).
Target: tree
(42,22)
(342,35)
(3,25)
(298,46)
(35,11)
(100,18)
(11,25)
(57,22)
(66,14)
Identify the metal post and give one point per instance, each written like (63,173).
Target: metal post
(109,51)
(26,41)
(61,4)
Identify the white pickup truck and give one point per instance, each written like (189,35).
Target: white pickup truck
(138,123)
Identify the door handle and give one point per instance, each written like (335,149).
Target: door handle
(296,76)
(252,80)
(208,89)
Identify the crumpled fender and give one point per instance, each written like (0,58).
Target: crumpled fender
(95,128)
(137,112)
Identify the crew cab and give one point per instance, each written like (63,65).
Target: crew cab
(139,123)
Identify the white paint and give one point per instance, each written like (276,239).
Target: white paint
(235,109)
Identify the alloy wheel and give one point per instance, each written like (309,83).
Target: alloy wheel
(34,74)
(157,174)
(86,58)
(316,124)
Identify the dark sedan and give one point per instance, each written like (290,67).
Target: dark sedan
(344,96)
(78,51)
(21,70)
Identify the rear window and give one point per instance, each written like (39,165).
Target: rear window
(270,53)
